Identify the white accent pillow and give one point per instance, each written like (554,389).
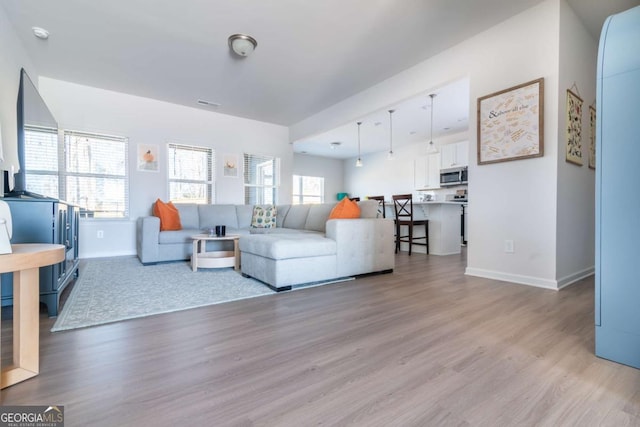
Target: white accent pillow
(264,217)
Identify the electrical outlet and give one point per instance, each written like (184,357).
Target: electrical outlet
(100,234)
(508,246)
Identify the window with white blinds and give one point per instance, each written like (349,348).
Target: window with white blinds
(308,189)
(261,179)
(41,161)
(95,175)
(191,173)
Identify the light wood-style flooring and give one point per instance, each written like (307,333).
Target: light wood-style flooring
(424,346)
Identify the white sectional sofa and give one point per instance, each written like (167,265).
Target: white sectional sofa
(304,247)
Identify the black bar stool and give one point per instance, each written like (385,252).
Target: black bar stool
(403,205)
(380,200)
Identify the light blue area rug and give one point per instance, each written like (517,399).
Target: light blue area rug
(110,290)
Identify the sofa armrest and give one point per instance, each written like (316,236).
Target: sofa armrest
(147,238)
(364,245)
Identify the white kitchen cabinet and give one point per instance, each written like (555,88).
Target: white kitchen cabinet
(454,155)
(426,172)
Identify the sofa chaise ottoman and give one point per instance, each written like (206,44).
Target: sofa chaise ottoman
(349,247)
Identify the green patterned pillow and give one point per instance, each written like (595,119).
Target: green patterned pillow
(264,217)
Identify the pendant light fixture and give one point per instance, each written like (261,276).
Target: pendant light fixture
(390,154)
(432,149)
(359,161)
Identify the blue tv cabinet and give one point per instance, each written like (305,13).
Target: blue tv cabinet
(43,220)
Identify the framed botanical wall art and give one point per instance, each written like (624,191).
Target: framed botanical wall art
(511,123)
(592,137)
(147,157)
(574,128)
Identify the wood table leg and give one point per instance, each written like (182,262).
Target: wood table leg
(26,328)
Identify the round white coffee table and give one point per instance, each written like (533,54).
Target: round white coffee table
(215,259)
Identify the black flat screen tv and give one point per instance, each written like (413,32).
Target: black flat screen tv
(32,113)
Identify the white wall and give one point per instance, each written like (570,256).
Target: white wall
(512,200)
(576,185)
(147,121)
(516,200)
(12,58)
(330,169)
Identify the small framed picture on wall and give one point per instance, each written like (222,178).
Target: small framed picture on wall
(230,165)
(574,128)
(148,157)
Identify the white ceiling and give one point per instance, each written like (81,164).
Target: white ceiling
(411,124)
(310,55)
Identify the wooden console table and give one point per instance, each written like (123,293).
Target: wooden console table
(25,262)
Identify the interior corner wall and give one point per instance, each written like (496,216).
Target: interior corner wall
(330,169)
(148,121)
(13,57)
(513,200)
(576,184)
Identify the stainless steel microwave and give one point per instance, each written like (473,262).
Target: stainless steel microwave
(454,176)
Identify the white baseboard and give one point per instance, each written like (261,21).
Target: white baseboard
(555,285)
(104,254)
(573,278)
(513,278)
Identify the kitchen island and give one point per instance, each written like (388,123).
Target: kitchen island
(444,226)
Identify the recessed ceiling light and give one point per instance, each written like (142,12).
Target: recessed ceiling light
(40,33)
(208,103)
(447,128)
(413,132)
(377,123)
(335,144)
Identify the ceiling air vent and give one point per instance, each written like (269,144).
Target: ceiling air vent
(208,103)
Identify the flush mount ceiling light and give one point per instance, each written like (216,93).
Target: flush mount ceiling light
(335,144)
(390,154)
(40,33)
(432,149)
(359,161)
(242,44)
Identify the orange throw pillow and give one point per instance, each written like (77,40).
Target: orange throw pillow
(345,209)
(168,214)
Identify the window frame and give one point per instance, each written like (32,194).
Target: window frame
(298,198)
(211,173)
(65,173)
(274,187)
(43,172)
